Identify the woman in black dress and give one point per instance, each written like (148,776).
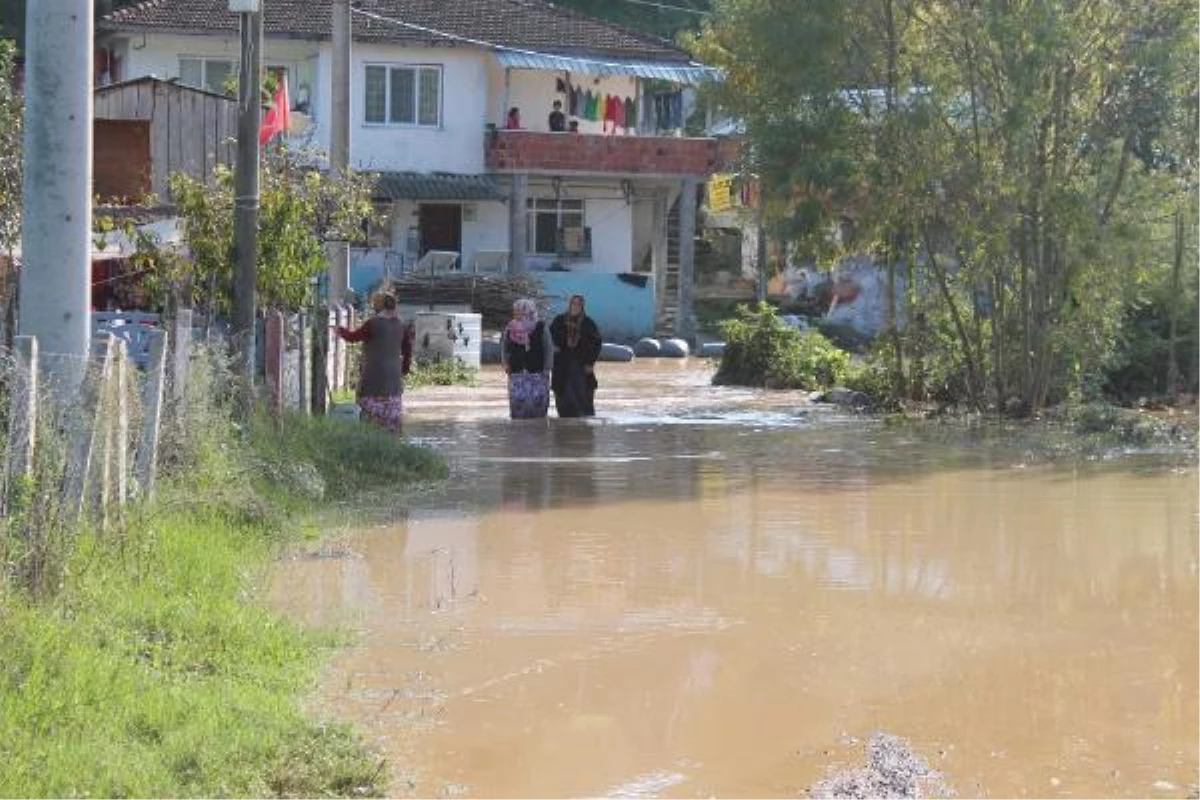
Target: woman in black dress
(576,348)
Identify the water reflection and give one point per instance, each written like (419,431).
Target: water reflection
(606,605)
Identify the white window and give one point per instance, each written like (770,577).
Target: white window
(556,227)
(206,73)
(403,95)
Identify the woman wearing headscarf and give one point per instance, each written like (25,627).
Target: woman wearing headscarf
(387,357)
(527,353)
(576,348)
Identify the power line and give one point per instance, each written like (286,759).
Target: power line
(567,60)
(668,7)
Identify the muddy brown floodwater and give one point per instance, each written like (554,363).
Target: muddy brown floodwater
(725,593)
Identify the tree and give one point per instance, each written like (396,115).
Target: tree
(1011,154)
(300,209)
(11,171)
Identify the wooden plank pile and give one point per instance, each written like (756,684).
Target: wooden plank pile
(490,296)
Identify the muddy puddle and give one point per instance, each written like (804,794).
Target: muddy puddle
(726,593)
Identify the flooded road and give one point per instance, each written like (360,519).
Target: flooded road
(723,592)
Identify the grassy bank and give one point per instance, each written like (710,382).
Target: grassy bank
(151,667)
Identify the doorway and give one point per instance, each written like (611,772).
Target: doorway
(440,226)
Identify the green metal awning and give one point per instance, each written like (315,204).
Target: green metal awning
(679,72)
(437,186)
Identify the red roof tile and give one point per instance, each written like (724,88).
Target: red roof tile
(527,24)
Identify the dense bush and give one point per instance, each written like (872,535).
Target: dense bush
(762,350)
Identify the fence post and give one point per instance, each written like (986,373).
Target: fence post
(341,319)
(146,465)
(274,346)
(121,392)
(22,432)
(85,424)
(304,368)
(182,342)
(110,407)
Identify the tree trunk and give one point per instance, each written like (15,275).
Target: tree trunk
(973,358)
(1173,338)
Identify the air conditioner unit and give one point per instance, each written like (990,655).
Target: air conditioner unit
(573,240)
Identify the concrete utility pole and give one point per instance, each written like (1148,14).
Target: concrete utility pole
(685,319)
(56,241)
(339,146)
(246,203)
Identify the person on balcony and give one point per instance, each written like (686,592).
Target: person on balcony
(558,120)
(527,354)
(513,122)
(387,357)
(576,349)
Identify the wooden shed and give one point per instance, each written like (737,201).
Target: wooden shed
(182,129)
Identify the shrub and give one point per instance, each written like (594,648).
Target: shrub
(762,350)
(441,372)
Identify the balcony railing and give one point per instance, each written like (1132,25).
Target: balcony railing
(532,151)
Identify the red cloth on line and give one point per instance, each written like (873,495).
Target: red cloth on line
(278,117)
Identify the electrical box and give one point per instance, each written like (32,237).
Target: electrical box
(245,6)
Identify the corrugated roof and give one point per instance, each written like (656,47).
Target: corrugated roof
(437,186)
(689,73)
(528,24)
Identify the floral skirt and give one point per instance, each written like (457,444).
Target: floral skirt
(528,395)
(385,412)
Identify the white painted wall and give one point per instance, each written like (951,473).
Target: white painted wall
(160,55)
(611,220)
(455,146)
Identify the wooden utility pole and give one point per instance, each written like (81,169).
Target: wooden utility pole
(246,201)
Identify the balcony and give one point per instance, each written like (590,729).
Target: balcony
(563,153)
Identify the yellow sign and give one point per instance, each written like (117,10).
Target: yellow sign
(720,193)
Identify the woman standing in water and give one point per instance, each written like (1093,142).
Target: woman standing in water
(527,353)
(387,358)
(576,348)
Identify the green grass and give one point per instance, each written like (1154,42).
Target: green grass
(444,372)
(155,669)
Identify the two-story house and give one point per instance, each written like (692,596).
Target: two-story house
(597,208)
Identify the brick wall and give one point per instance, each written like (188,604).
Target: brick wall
(527,151)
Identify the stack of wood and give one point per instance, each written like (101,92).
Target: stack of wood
(490,296)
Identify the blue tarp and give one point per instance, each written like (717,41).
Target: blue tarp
(680,72)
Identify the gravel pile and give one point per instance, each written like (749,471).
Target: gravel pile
(893,770)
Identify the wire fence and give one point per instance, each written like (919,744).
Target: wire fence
(85,438)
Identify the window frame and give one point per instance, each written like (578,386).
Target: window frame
(563,208)
(417,70)
(204,62)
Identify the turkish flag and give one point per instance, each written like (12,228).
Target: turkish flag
(278,117)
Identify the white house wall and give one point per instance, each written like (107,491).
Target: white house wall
(159,55)
(455,146)
(609,216)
